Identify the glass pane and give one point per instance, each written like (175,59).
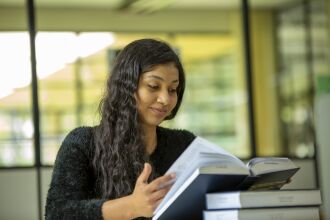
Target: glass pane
(265,83)
(288,50)
(215,104)
(320,44)
(16,124)
(59,56)
(71,81)
(296,94)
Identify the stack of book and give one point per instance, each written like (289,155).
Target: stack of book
(205,167)
(263,205)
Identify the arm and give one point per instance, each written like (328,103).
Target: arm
(69,192)
(69,195)
(142,202)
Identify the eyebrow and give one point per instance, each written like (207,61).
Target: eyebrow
(160,78)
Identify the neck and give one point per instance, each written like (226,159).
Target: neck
(150,138)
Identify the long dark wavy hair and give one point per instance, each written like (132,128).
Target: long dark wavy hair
(119,149)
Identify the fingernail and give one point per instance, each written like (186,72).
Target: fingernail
(173,175)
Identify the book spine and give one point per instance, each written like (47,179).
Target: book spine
(279,198)
(225,200)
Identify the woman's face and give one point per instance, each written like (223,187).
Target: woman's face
(156,95)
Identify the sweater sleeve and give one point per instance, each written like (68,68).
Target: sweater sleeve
(68,195)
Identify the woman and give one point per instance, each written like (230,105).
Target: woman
(116,169)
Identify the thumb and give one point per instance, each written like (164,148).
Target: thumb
(144,176)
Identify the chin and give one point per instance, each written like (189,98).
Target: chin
(155,122)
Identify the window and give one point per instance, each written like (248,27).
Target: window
(16,125)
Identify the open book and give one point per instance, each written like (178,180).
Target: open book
(205,167)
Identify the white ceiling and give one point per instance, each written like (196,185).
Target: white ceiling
(152,4)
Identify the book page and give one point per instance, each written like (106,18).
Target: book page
(262,165)
(191,158)
(198,154)
(272,172)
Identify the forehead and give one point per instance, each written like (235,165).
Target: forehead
(165,72)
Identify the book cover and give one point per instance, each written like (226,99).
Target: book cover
(205,167)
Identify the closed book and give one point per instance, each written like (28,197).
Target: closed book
(205,167)
(297,213)
(254,199)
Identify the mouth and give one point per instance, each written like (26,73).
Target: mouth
(159,112)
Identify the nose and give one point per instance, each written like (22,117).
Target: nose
(163,97)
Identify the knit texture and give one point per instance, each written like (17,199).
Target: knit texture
(73,193)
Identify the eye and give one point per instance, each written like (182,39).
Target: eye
(172,90)
(153,87)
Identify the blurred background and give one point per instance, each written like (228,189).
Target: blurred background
(258,81)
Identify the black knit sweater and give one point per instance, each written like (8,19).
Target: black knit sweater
(72,193)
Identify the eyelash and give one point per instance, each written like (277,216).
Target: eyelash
(153,87)
(156,87)
(172,90)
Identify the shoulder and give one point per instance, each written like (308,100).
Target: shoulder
(177,135)
(79,139)
(79,135)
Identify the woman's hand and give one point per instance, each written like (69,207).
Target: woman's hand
(147,196)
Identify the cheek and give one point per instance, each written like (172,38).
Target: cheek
(174,101)
(143,99)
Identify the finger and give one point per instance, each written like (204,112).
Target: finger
(161,182)
(160,194)
(156,204)
(144,176)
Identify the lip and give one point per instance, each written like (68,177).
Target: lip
(159,112)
